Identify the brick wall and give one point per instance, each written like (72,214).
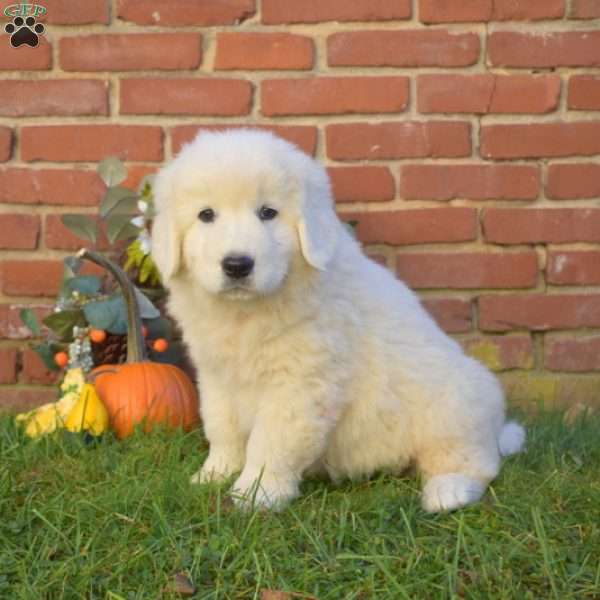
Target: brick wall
(463,136)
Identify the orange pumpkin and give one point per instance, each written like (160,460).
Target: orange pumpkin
(141,391)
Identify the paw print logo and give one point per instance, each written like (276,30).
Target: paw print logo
(24,31)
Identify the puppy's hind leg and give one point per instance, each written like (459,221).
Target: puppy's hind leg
(457,473)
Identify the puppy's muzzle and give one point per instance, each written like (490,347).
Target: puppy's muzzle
(237,266)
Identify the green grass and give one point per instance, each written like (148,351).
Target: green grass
(118,520)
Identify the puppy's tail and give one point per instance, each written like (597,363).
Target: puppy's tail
(512,438)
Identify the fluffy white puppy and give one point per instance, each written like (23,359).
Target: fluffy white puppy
(310,356)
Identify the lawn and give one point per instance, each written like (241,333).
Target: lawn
(118,520)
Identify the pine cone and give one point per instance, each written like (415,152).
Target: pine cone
(112,351)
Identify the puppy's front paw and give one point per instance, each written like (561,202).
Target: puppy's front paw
(451,491)
(218,467)
(263,490)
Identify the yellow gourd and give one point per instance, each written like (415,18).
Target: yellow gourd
(51,416)
(89,413)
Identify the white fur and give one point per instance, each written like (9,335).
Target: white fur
(512,439)
(321,361)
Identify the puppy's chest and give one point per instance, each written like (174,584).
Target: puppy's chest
(246,356)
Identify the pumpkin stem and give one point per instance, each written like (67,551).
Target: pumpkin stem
(136,349)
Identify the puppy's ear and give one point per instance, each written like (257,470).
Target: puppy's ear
(318,226)
(166,245)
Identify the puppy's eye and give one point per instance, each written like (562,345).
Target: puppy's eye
(266,213)
(207,215)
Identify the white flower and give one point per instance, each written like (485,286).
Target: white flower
(142,206)
(145,244)
(138,221)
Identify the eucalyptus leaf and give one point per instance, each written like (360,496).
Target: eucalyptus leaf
(119,227)
(72,266)
(147,309)
(46,352)
(62,323)
(146,184)
(85,284)
(159,328)
(113,199)
(110,315)
(112,171)
(28,317)
(81,225)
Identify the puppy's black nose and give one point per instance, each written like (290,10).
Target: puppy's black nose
(237,266)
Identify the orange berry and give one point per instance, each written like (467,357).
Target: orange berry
(144,331)
(97,335)
(160,345)
(61,359)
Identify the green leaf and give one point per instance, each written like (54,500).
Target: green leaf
(62,323)
(85,284)
(46,352)
(72,266)
(119,227)
(110,315)
(146,184)
(28,317)
(159,328)
(114,198)
(81,225)
(112,171)
(147,309)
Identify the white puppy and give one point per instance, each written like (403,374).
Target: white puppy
(310,356)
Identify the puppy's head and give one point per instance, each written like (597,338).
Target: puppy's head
(236,208)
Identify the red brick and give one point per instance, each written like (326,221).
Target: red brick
(84,143)
(19,232)
(5,144)
(488,93)
(585,9)
(11,325)
(25,58)
(573,267)
(545,49)
(442,11)
(20,399)
(501,352)
(436,139)
(220,97)
(419,226)
(135,175)
(453,315)
(574,355)
(53,97)
(131,52)
(361,184)
(539,312)
(468,270)
(30,277)
(474,182)
(534,226)
(8,365)
(567,181)
(540,140)
(255,51)
(50,186)
(584,92)
(59,237)
(62,12)
(333,95)
(303,136)
(406,48)
(185,12)
(315,11)
(34,370)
